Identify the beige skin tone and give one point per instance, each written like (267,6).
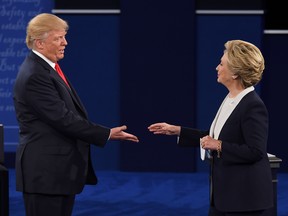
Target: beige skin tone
(52,47)
(224,76)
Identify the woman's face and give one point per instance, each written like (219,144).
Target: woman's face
(224,74)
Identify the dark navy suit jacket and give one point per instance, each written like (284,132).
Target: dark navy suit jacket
(241,178)
(53,156)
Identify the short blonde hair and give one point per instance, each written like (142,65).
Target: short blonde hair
(41,25)
(246,61)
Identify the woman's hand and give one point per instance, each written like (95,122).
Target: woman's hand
(164,128)
(209,143)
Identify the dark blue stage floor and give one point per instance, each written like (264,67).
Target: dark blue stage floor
(145,194)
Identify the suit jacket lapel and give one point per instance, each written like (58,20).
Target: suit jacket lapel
(54,73)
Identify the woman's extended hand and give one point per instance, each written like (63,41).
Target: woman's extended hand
(164,128)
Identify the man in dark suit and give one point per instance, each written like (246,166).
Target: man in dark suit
(53,157)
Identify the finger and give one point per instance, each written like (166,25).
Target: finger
(155,128)
(123,127)
(133,138)
(156,125)
(157,132)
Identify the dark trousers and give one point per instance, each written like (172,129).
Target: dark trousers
(214,212)
(48,205)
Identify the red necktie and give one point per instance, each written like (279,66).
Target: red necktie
(58,69)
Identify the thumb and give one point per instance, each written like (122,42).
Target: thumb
(123,127)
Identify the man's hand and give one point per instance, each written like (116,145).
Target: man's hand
(118,133)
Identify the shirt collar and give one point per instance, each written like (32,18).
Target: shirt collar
(52,64)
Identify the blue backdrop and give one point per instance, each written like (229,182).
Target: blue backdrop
(14,16)
(154,61)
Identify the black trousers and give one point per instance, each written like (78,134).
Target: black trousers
(48,205)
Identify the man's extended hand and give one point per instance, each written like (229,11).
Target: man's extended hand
(118,133)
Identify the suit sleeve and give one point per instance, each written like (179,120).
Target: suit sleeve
(190,137)
(54,105)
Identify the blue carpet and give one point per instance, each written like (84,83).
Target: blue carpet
(145,194)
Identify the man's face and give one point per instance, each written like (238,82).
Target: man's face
(53,46)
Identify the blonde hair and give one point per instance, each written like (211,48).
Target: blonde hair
(41,25)
(246,61)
